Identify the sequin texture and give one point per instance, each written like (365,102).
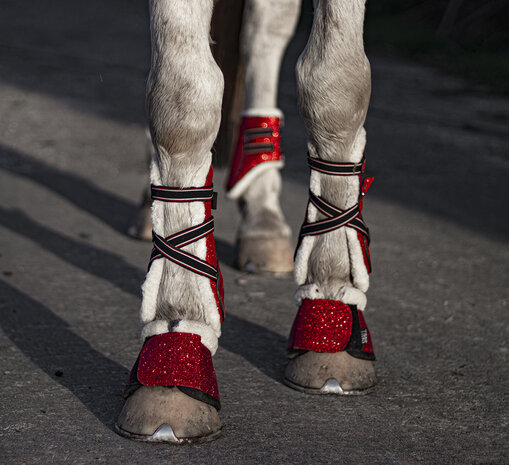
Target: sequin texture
(258,142)
(177,359)
(321,325)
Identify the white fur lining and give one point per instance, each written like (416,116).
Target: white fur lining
(150,287)
(154,328)
(357,266)
(243,183)
(263,113)
(209,338)
(306,246)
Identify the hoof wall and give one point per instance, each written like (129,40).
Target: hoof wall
(324,373)
(160,414)
(166,435)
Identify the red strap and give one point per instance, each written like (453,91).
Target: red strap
(177,359)
(364,189)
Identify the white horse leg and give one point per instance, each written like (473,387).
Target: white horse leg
(263,239)
(142,224)
(332,261)
(169,399)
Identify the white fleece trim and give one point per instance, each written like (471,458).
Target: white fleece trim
(357,266)
(208,336)
(263,112)
(154,328)
(150,287)
(308,291)
(347,295)
(149,291)
(300,269)
(353,296)
(243,183)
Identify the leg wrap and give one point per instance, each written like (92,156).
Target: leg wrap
(336,218)
(258,149)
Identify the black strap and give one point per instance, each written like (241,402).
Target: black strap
(185,194)
(336,169)
(170,247)
(336,218)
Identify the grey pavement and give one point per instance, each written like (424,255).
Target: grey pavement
(72,169)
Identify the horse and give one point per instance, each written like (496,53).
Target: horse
(171,394)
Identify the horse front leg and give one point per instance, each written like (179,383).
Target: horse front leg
(263,238)
(172,393)
(330,345)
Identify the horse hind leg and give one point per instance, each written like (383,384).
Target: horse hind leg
(263,237)
(182,295)
(332,263)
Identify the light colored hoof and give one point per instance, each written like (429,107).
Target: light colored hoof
(274,255)
(324,373)
(142,229)
(161,414)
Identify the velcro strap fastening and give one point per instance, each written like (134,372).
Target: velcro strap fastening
(184,194)
(170,248)
(330,326)
(336,218)
(336,168)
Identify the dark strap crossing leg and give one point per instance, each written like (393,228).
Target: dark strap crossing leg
(171,247)
(335,217)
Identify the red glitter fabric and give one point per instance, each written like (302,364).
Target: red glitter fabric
(258,142)
(321,325)
(211,258)
(177,359)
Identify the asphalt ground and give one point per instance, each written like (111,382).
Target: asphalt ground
(72,168)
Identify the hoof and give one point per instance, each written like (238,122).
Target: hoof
(270,255)
(142,229)
(161,414)
(324,373)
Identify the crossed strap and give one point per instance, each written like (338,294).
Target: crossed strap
(170,247)
(337,218)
